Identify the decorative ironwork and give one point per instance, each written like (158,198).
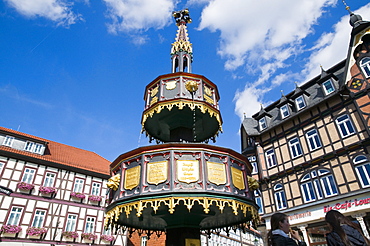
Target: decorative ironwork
(112,215)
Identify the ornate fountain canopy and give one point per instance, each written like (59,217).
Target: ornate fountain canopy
(183,182)
(181,106)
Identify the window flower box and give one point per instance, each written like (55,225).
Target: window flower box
(47,190)
(10,229)
(88,236)
(25,186)
(78,195)
(35,231)
(107,238)
(70,234)
(94,198)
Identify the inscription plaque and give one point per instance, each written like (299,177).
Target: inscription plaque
(157,172)
(216,173)
(188,171)
(238,178)
(132,177)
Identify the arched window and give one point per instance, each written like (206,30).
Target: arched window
(318,184)
(365,66)
(362,165)
(280,197)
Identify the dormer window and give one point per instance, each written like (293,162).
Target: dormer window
(8,141)
(328,87)
(365,66)
(300,103)
(29,146)
(33,147)
(262,123)
(284,110)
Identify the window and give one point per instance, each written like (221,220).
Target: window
(14,216)
(95,190)
(270,158)
(284,110)
(252,161)
(313,139)
(28,175)
(363,170)
(38,148)
(1,166)
(8,141)
(38,219)
(49,180)
(71,222)
(29,146)
(144,241)
(262,123)
(280,198)
(328,87)
(317,184)
(300,103)
(78,186)
(295,147)
(365,66)
(258,200)
(89,226)
(345,125)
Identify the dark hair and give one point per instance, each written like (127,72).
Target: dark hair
(335,219)
(275,219)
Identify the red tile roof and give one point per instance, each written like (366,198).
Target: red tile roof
(61,154)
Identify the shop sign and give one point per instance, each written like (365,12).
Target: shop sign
(300,216)
(347,204)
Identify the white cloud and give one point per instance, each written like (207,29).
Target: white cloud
(332,47)
(55,10)
(138,15)
(269,41)
(246,33)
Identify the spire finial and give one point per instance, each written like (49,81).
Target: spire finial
(182,51)
(282,93)
(181,17)
(347,7)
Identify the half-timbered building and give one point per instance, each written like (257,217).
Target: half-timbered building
(51,193)
(310,149)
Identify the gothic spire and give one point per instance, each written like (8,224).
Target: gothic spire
(182,52)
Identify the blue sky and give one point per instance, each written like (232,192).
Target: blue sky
(75,71)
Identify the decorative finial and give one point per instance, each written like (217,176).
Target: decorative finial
(282,93)
(347,7)
(181,17)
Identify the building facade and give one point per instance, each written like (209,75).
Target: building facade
(51,193)
(310,149)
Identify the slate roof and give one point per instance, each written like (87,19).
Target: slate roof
(313,96)
(58,154)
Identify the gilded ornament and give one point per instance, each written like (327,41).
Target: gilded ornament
(157,172)
(170,85)
(132,177)
(253,183)
(154,91)
(216,173)
(113,182)
(154,100)
(208,99)
(171,203)
(191,86)
(238,178)
(208,91)
(187,171)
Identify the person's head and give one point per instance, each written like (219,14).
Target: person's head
(335,218)
(280,221)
